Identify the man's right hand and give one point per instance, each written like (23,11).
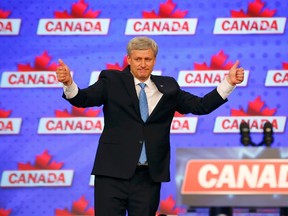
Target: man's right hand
(63,73)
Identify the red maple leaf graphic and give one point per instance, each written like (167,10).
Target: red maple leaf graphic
(117,66)
(77,112)
(78,10)
(165,11)
(41,64)
(285,65)
(255,9)
(5,114)
(4,14)
(42,162)
(168,207)
(217,63)
(5,212)
(177,114)
(79,207)
(255,108)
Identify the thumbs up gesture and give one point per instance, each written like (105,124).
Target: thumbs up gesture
(236,74)
(63,73)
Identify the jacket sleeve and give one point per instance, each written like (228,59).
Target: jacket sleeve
(189,103)
(94,95)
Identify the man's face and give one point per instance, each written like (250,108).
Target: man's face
(141,63)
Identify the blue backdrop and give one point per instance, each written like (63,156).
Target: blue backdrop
(258,52)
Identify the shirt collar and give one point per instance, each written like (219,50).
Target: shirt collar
(148,82)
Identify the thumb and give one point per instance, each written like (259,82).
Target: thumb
(61,62)
(235,65)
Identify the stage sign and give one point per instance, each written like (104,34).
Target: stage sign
(244,176)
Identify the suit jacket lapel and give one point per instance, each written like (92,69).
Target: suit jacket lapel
(159,83)
(129,84)
(161,87)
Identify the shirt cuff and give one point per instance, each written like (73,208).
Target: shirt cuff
(225,88)
(70,91)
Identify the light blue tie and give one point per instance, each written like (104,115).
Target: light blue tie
(143,105)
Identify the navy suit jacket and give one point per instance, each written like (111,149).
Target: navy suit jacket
(121,140)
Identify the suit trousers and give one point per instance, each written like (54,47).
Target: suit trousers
(138,196)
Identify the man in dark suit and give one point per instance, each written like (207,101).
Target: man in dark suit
(123,181)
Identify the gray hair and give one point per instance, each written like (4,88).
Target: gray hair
(142,43)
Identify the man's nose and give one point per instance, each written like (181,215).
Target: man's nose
(143,63)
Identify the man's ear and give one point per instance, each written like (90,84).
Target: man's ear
(128,59)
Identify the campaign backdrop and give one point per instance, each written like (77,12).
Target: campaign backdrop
(48,147)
